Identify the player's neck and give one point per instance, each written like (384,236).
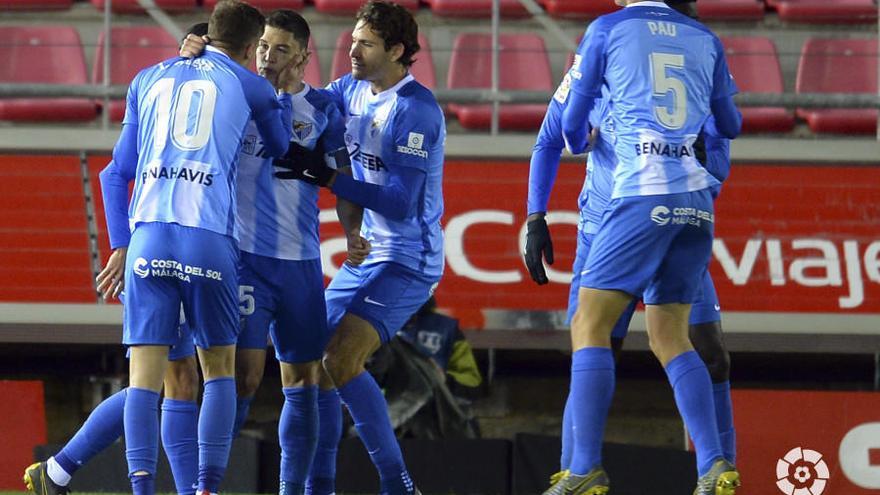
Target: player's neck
(389,79)
(238,56)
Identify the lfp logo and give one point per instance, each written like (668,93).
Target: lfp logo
(801,471)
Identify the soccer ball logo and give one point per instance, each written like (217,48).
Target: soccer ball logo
(801,472)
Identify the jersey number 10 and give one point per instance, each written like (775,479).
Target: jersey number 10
(197,97)
(663,84)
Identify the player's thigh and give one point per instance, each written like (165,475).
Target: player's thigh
(152,297)
(679,278)
(389,295)
(707,308)
(630,244)
(209,286)
(259,295)
(300,332)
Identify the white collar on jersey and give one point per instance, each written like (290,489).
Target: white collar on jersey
(648,4)
(209,48)
(392,90)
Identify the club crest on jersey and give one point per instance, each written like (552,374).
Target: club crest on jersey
(375,125)
(302,130)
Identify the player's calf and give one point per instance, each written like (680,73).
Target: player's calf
(708,341)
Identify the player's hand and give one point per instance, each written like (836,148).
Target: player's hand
(193,46)
(577,140)
(538,247)
(358,247)
(111,280)
(290,78)
(301,163)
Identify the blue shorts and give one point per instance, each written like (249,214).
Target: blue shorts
(653,247)
(169,265)
(385,294)
(184,346)
(705,310)
(284,298)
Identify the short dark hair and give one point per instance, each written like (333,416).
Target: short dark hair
(235,24)
(394,24)
(291,22)
(685,7)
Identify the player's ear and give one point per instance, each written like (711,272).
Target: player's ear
(396,51)
(250,52)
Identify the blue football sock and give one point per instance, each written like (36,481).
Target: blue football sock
(692,388)
(141,436)
(180,439)
(143,484)
(565,457)
(215,431)
(368,409)
(724,419)
(298,435)
(592,388)
(242,406)
(322,477)
(101,429)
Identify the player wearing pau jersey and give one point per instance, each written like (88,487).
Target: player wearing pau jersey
(664,75)
(179,145)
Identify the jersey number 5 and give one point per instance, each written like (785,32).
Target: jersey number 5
(663,84)
(197,98)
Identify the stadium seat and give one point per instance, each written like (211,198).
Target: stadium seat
(349,7)
(755,67)
(44,234)
(523,65)
(43,54)
(132,49)
(422,69)
(132,6)
(731,10)
(578,9)
(7,5)
(476,8)
(266,5)
(826,11)
(839,66)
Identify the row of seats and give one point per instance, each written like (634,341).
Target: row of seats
(809,11)
(54,55)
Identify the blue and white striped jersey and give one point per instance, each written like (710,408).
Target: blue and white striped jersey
(402,126)
(190,115)
(279,218)
(661,70)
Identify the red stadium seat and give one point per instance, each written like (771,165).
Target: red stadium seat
(476,8)
(132,6)
(839,66)
(755,67)
(422,69)
(578,9)
(313,70)
(827,11)
(44,233)
(132,49)
(266,5)
(6,5)
(731,10)
(44,54)
(523,65)
(350,7)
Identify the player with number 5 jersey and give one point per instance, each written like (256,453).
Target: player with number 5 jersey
(663,75)
(180,141)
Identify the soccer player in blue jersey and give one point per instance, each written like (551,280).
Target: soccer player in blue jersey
(281,283)
(705,318)
(180,144)
(664,75)
(395,132)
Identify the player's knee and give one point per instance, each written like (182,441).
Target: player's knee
(247,381)
(182,382)
(718,364)
(340,368)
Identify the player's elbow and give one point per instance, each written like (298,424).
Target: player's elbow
(728,120)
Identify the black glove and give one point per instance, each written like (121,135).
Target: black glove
(303,164)
(538,243)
